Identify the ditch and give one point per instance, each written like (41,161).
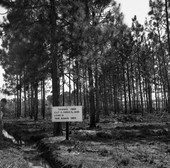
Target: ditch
(31,154)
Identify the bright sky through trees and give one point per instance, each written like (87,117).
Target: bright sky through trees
(1,76)
(140,8)
(2,11)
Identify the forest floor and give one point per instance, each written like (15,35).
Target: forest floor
(11,156)
(117,142)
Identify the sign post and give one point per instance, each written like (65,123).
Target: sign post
(67,114)
(67,130)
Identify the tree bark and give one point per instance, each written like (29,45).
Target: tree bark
(105,100)
(168,36)
(25,98)
(32,102)
(97,93)
(57,129)
(124,86)
(36,102)
(91,98)
(129,87)
(43,99)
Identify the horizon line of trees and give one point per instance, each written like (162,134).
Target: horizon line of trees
(113,68)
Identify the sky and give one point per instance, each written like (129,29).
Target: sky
(1,70)
(140,8)
(1,76)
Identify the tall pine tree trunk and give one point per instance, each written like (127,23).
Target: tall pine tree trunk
(57,129)
(105,100)
(129,87)
(91,98)
(77,83)
(140,87)
(36,102)
(43,98)
(124,86)
(168,36)
(84,93)
(19,90)
(97,93)
(25,102)
(32,102)
(29,100)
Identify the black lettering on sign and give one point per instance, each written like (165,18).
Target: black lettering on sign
(56,111)
(72,108)
(62,108)
(73,118)
(64,118)
(66,111)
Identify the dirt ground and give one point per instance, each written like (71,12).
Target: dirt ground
(116,142)
(11,156)
(134,142)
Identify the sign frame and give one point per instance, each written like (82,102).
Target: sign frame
(67,114)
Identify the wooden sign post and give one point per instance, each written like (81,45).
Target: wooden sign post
(67,114)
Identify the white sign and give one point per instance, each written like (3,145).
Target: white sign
(66,113)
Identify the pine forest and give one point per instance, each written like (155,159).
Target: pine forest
(81,53)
